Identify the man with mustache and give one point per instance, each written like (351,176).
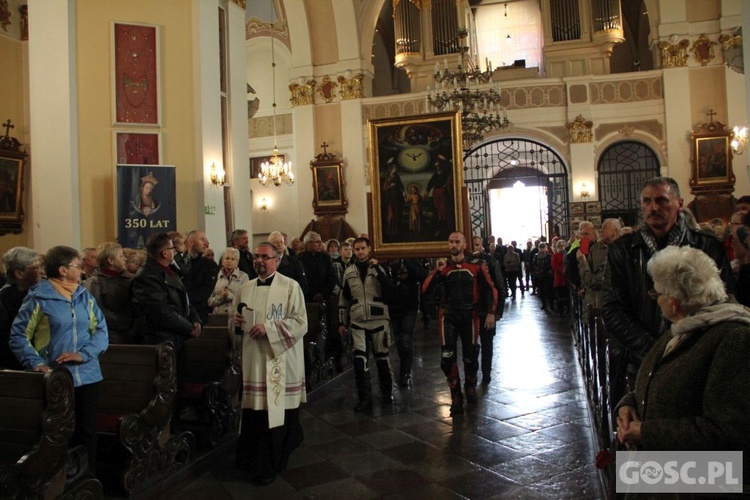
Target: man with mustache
(632,318)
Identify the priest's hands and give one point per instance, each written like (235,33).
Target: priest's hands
(258,330)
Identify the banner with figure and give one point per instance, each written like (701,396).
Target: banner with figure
(146,203)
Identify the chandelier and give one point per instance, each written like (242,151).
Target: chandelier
(275,170)
(481,110)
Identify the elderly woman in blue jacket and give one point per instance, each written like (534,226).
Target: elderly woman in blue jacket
(60,324)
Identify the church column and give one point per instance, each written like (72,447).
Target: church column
(677,115)
(53,117)
(209,198)
(354,154)
(305,150)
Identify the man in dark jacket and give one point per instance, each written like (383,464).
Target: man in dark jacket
(321,277)
(407,276)
(288,266)
(630,316)
(161,301)
(199,274)
(241,241)
(487,335)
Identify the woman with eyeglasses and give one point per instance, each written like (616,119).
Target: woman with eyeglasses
(691,392)
(60,324)
(228,282)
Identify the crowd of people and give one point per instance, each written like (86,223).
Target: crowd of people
(671,294)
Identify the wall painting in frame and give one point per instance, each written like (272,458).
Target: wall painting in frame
(416,175)
(136,74)
(328,185)
(712,159)
(137,148)
(12,164)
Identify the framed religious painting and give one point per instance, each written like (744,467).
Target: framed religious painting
(328,185)
(136,74)
(12,166)
(712,159)
(137,148)
(416,176)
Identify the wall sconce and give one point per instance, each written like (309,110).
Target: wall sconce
(263,205)
(739,140)
(584,192)
(218,175)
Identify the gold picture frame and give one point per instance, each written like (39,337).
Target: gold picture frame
(12,165)
(416,175)
(328,185)
(712,158)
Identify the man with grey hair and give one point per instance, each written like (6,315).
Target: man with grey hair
(88,263)
(630,316)
(591,265)
(23,271)
(321,277)
(288,265)
(241,241)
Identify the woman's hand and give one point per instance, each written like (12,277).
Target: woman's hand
(628,426)
(69,357)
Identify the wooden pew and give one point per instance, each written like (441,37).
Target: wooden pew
(36,422)
(136,449)
(212,385)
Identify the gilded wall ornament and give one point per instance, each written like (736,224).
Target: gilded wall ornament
(327,89)
(731,47)
(351,88)
(580,130)
(241,3)
(703,50)
(674,55)
(4,15)
(302,93)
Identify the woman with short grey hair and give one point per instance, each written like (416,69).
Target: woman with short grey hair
(23,271)
(691,392)
(228,282)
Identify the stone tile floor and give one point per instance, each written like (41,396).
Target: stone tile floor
(528,436)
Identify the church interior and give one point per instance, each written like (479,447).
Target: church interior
(266,113)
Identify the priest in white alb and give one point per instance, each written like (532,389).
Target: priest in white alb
(272,322)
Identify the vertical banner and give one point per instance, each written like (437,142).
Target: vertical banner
(146,203)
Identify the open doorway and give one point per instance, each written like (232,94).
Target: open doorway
(518,212)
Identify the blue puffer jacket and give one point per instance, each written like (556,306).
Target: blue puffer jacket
(48,325)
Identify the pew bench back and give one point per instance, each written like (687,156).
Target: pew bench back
(128,387)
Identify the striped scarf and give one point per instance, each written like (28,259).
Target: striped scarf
(673,238)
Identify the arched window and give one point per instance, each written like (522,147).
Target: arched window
(623,169)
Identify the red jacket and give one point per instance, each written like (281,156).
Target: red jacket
(558,268)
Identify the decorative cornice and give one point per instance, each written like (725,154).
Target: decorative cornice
(255,27)
(622,91)
(674,55)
